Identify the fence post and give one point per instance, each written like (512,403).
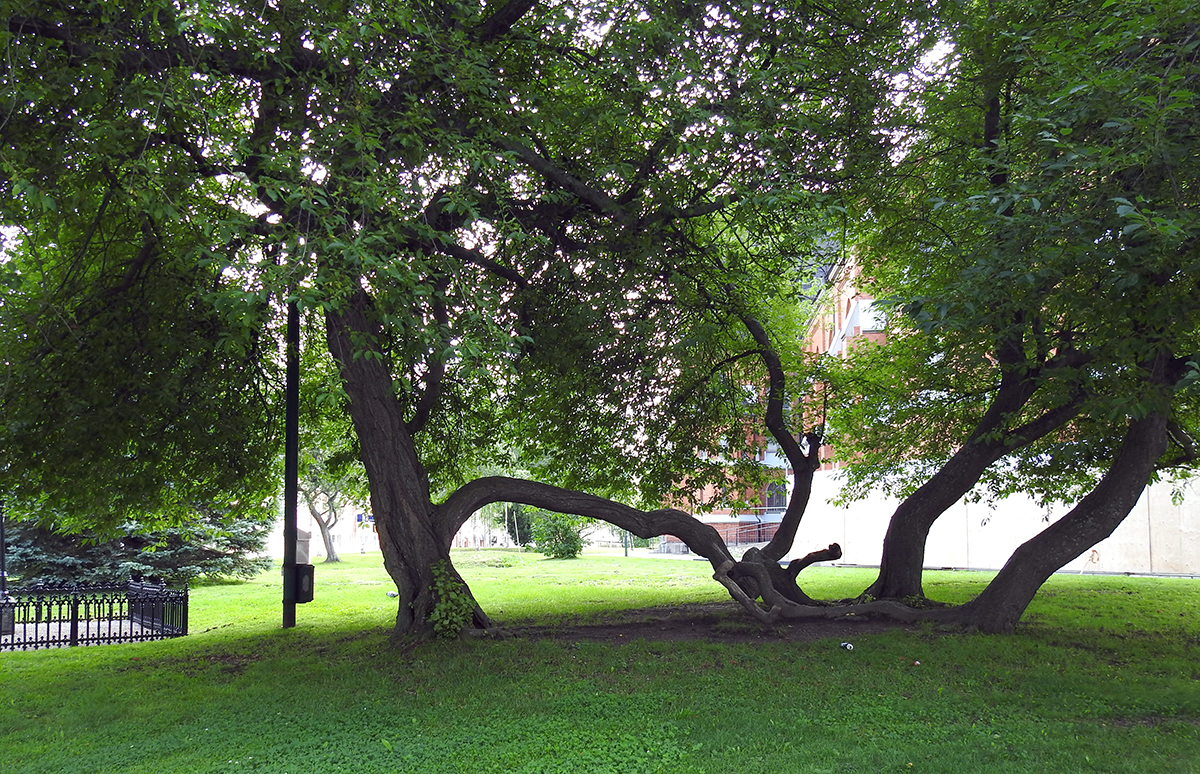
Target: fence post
(8,616)
(74,618)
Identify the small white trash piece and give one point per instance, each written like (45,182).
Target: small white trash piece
(847,646)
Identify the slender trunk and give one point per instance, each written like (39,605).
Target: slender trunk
(327,537)
(323,523)
(1004,600)
(404,513)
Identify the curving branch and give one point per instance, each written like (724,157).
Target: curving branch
(701,538)
(1044,424)
(594,198)
(1188,451)
(804,464)
(796,566)
(754,576)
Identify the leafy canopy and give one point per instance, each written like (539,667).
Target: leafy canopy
(527,194)
(1045,229)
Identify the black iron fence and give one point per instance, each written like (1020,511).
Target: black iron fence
(59,616)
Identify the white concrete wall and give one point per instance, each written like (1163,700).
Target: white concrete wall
(349,537)
(1158,536)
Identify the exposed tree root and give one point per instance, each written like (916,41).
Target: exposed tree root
(779,606)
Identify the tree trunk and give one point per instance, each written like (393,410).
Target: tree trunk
(1004,600)
(327,537)
(323,524)
(404,513)
(415,534)
(903,559)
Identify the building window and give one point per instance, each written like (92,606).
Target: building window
(776,497)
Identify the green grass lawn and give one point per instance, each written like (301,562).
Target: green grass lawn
(1103,677)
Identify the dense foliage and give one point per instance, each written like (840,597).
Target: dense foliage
(210,547)
(577,234)
(539,229)
(1043,230)
(497,188)
(1039,249)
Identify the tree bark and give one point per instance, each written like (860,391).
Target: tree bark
(1004,600)
(405,516)
(903,558)
(755,575)
(701,538)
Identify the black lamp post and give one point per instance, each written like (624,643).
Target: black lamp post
(291,446)
(297,576)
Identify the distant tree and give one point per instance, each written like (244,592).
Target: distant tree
(210,546)
(558,535)
(327,489)
(331,475)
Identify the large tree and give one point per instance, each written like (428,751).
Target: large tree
(557,229)
(1041,255)
(570,232)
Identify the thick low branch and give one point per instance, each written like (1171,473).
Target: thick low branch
(745,580)
(701,538)
(797,566)
(722,576)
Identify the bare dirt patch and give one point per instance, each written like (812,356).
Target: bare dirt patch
(723,622)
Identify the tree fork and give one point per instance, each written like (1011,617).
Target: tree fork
(903,558)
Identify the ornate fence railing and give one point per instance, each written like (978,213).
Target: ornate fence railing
(60,616)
